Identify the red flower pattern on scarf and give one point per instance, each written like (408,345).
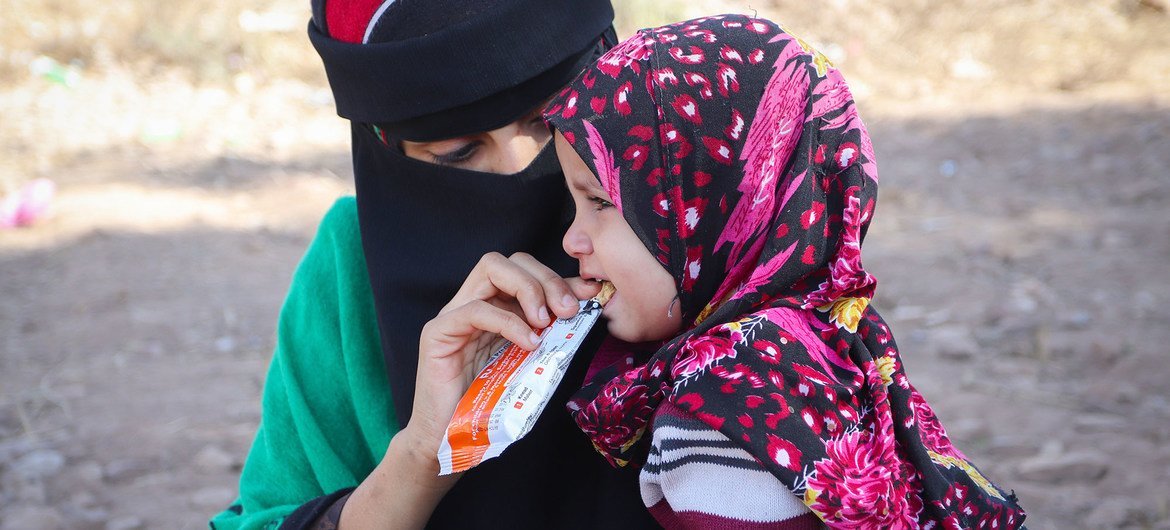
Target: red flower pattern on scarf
(699,354)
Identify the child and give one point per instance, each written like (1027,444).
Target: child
(724,183)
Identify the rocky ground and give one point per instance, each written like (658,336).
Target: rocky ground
(1021,244)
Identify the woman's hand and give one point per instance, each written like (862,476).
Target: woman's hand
(502,298)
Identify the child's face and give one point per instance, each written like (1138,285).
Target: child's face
(608,249)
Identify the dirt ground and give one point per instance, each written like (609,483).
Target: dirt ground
(1021,244)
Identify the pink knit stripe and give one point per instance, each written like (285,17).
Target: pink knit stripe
(669,518)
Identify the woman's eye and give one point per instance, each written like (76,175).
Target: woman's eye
(599,203)
(457,156)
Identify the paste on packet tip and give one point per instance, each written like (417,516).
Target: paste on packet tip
(607,290)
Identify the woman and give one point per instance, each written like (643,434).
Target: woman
(452,163)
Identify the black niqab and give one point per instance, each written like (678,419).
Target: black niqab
(425,226)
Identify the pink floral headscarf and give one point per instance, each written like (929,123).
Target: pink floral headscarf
(736,153)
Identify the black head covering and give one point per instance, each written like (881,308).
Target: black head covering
(473,71)
(425,226)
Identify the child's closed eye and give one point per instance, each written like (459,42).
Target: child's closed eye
(599,203)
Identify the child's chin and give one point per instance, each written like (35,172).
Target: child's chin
(622,330)
(616,330)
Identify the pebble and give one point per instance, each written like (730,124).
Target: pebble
(1011,447)
(124,469)
(969,429)
(1106,354)
(954,342)
(1083,466)
(152,480)
(1155,405)
(1090,423)
(1076,320)
(128,522)
(212,459)
(212,498)
(84,499)
(9,448)
(1021,301)
(1113,239)
(225,344)
(1051,448)
(909,312)
(1126,393)
(88,473)
(86,517)
(28,517)
(948,168)
(249,411)
(31,490)
(1116,513)
(39,463)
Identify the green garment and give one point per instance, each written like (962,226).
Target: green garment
(327,414)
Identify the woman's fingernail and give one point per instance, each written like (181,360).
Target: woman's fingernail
(570,301)
(534,337)
(543,314)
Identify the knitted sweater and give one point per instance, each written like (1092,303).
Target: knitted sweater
(695,477)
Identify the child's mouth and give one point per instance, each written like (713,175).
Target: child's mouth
(598,302)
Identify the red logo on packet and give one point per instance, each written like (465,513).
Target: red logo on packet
(519,404)
(569,336)
(539,370)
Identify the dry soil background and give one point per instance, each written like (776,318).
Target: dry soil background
(1021,239)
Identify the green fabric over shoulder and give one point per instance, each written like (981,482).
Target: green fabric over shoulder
(327,413)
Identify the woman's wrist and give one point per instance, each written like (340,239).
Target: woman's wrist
(403,489)
(420,457)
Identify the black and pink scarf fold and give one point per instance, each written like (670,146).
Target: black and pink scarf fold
(736,153)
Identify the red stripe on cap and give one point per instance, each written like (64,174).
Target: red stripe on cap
(347,19)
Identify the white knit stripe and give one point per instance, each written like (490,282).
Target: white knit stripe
(728,452)
(699,432)
(748,495)
(374,20)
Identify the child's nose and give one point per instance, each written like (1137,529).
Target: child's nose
(575,242)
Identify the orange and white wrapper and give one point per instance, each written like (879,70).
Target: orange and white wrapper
(505,399)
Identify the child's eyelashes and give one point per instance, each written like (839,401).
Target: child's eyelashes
(457,156)
(599,203)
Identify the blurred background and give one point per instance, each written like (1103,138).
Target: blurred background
(164,164)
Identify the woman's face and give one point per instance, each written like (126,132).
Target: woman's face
(608,249)
(506,150)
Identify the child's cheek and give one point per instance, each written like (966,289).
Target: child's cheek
(619,322)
